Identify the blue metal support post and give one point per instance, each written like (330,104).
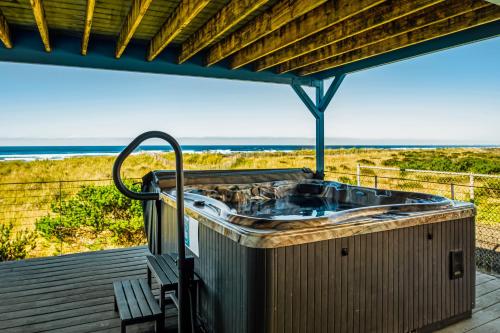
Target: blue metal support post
(318,109)
(320,134)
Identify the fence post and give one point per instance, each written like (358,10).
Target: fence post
(452,190)
(358,174)
(375,179)
(60,214)
(471,187)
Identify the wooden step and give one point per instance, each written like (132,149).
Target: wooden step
(164,269)
(136,304)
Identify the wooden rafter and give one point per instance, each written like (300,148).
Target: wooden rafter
(225,19)
(381,14)
(185,12)
(403,25)
(5,32)
(41,22)
(277,16)
(468,20)
(134,18)
(88,25)
(316,20)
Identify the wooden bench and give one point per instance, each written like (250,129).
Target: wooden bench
(136,304)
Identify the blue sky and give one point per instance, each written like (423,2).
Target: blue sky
(447,97)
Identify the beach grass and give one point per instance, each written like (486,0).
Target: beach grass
(478,160)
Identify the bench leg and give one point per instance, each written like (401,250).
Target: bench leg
(160,324)
(162,300)
(194,299)
(123,330)
(116,305)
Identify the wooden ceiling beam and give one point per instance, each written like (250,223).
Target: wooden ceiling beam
(5,32)
(229,16)
(277,16)
(88,25)
(452,25)
(316,20)
(183,15)
(381,14)
(41,22)
(418,20)
(134,18)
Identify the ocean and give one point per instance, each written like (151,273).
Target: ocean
(31,153)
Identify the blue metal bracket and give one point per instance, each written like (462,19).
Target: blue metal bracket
(318,109)
(311,106)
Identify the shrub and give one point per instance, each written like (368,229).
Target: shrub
(15,246)
(365,162)
(62,229)
(391,162)
(346,180)
(128,232)
(95,209)
(440,161)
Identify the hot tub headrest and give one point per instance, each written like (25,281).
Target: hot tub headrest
(166,179)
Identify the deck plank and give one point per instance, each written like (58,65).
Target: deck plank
(490,327)
(482,278)
(480,318)
(74,293)
(487,300)
(487,287)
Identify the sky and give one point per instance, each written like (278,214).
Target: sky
(452,96)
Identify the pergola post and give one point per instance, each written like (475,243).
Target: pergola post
(318,109)
(320,134)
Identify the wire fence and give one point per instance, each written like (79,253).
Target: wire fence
(482,190)
(67,216)
(25,204)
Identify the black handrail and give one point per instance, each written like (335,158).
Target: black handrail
(183,295)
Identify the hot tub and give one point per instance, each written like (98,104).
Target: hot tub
(280,251)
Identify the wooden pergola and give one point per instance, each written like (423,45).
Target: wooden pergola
(294,42)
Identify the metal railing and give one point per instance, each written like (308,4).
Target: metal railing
(454,178)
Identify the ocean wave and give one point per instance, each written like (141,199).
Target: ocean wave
(41,156)
(34,153)
(62,156)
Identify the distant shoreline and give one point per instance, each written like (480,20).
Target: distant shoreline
(32,153)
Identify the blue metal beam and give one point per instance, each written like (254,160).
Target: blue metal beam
(66,52)
(468,36)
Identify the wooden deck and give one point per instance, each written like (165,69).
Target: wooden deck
(74,293)
(71,293)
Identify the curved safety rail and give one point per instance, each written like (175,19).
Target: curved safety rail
(184,269)
(130,148)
